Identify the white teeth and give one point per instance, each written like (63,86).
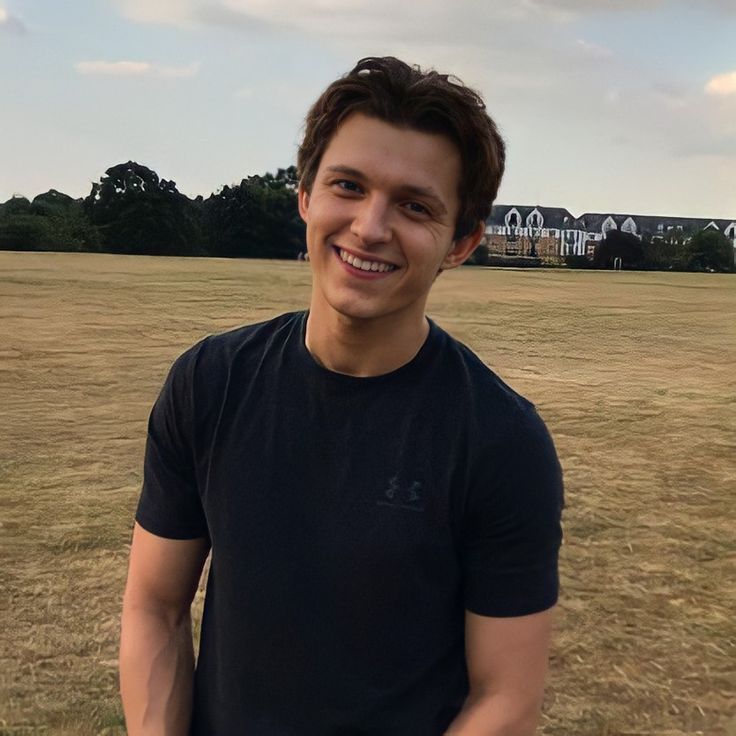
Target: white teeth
(356,262)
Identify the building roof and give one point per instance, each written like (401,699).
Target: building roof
(552,217)
(592,222)
(651,223)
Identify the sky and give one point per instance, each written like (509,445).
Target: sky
(621,106)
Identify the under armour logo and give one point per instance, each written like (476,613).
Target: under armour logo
(403,496)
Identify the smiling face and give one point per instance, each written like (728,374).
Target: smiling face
(380,221)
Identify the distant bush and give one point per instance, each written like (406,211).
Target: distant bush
(619,246)
(514,261)
(578,262)
(709,250)
(53,222)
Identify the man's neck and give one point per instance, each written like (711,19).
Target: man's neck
(364,347)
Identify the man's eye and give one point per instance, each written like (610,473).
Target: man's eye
(417,208)
(347,185)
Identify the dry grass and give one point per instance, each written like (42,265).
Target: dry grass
(633,372)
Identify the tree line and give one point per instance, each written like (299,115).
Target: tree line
(676,250)
(132,211)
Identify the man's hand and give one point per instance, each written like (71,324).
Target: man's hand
(507,664)
(156,654)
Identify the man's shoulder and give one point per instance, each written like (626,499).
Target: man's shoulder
(219,346)
(494,413)
(210,361)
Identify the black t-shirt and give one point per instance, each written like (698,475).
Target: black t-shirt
(352,522)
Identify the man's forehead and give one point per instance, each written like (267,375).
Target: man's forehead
(413,160)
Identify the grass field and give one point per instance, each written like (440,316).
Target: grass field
(635,374)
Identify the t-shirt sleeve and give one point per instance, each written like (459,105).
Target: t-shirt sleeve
(170,504)
(512,530)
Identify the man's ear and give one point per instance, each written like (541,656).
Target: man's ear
(303,199)
(463,248)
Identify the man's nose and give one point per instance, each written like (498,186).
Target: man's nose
(371,222)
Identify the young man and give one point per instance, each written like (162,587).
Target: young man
(383,512)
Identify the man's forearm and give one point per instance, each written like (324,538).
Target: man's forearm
(495,715)
(156,672)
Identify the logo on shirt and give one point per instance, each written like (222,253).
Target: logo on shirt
(402,495)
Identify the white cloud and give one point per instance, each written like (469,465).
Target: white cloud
(245,93)
(593,49)
(114,68)
(165,12)
(687,123)
(722,84)
(724,6)
(580,7)
(11,24)
(672,97)
(588,7)
(134,69)
(363,19)
(612,96)
(720,147)
(177,72)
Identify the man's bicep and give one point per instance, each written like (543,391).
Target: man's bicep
(508,655)
(163,573)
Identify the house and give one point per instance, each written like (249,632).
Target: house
(553,232)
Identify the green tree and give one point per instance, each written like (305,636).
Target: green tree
(709,250)
(53,221)
(258,218)
(51,203)
(131,210)
(16,205)
(666,253)
(67,222)
(136,212)
(25,232)
(621,245)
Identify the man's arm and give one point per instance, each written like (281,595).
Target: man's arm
(156,653)
(507,664)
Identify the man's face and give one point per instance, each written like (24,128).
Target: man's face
(380,220)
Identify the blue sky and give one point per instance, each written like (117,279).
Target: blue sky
(606,105)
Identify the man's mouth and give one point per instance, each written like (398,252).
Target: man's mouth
(364,265)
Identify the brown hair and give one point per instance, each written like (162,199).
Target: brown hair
(389,89)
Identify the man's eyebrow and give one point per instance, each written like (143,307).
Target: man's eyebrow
(347,170)
(412,189)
